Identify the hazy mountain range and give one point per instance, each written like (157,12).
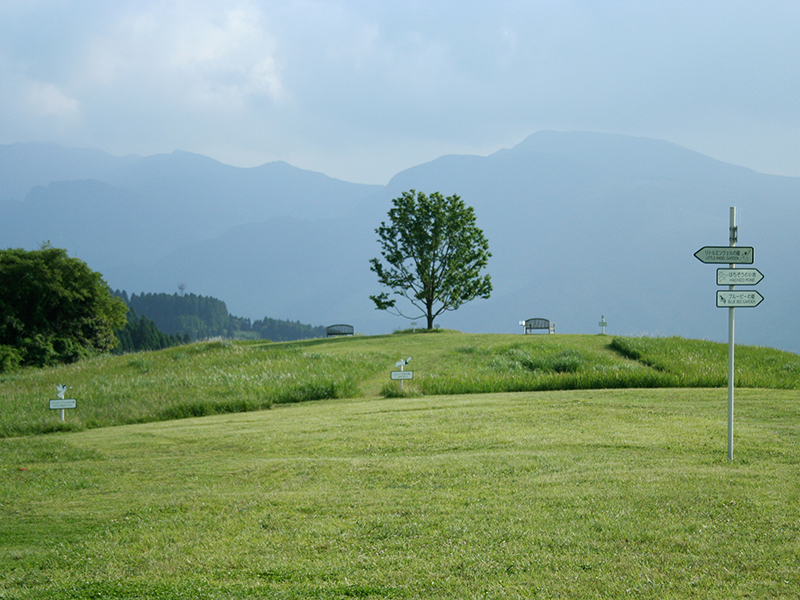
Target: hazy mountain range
(579,224)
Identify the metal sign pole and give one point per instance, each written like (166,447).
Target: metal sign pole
(731,345)
(731,298)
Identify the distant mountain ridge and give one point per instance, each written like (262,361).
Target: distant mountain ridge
(580,225)
(133,210)
(25,166)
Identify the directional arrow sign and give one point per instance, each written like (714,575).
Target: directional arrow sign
(726,254)
(739,276)
(733,299)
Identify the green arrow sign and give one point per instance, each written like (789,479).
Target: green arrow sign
(736,299)
(739,276)
(726,255)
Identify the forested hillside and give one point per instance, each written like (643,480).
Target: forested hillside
(192,317)
(142,334)
(199,317)
(285,331)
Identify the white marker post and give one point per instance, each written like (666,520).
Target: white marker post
(402,375)
(62,403)
(603,324)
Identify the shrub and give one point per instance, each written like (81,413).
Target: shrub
(10,359)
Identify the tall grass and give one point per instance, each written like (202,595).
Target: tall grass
(548,363)
(187,381)
(693,363)
(224,377)
(552,364)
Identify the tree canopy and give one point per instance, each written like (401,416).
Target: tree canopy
(434,254)
(53,309)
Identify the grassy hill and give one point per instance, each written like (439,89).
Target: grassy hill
(472,493)
(224,377)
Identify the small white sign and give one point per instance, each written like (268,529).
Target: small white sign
(63,403)
(402,375)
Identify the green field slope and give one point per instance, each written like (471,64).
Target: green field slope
(622,493)
(508,467)
(225,377)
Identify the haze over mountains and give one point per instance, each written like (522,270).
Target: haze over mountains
(579,224)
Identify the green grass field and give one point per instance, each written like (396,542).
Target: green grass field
(593,493)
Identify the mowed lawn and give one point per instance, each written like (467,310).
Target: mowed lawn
(622,493)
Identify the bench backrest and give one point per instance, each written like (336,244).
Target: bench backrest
(332,330)
(531,324)
(537,324)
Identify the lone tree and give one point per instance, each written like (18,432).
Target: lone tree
(53,309)
(434,255)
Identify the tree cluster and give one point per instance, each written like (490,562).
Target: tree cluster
(141,334)
(53,309)
(194,317)
(199,317)
(285,331)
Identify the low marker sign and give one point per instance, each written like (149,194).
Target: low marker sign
(402,375)
(63,403)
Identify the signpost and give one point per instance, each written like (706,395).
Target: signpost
(732,298)
(62,403)
(402,375)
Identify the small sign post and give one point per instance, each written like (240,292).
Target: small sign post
(732,298)
(402,375)
(62,403)
(603,324)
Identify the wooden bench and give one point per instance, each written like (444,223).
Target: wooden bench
(333,330)
(531,324)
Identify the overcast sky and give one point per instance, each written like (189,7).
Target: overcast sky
(362,89)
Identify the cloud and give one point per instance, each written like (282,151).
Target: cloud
(48,100)
(196,55)
(360,89)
